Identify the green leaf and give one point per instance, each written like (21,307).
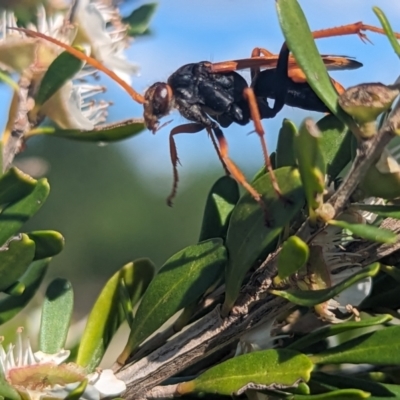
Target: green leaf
(140,19)
(100,134)
(387,211)
(220,202)
(7,391)
(285,156)
(379,391)
(267,368)
(301,43)
(310,298)
(33,277)
(391,271)
(335,144)
(388,29)
(15,259)
(181,280)
(16,214)
(332,330)
(293,256)
(105,317)
(56,316)
(61,70)
(14,185)
(345,394)
(7,79)
(263,170)
(381,347)
(248,238)
(369,232)
(77,393)
(48,243)
(311,162)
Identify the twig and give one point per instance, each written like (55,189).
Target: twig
(367,153)
(21,124)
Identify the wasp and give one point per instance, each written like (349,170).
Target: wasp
(215,95)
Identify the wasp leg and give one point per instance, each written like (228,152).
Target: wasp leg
(236,173)
(185,128)
(357,28)
(255,116)
(213,140)
(256,53)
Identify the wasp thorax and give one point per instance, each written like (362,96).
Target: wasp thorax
(158,104)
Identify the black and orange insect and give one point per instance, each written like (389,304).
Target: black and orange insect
(214,95)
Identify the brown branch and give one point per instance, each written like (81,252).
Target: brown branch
(254,305)
(20,124)
(367,153)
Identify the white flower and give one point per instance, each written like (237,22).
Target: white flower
(40,376)
(100,26)
(71,107)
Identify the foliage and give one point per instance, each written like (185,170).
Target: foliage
(273,302)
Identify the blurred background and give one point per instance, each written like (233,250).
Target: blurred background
(109,201)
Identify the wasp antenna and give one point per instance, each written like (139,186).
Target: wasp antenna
(90,60)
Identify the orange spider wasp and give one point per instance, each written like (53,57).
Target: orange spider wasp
(212,95)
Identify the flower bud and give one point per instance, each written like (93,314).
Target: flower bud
(366,102)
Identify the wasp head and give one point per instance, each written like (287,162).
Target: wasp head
(158,103)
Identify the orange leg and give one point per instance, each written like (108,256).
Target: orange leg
(212,137)
(357,28)
(255,116)
(236,173)
(258,52)
(222,152)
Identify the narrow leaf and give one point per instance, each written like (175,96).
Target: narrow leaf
(293,256)
(33,277)
(105,317)
(14,185)
(103,133)
(77,393)
(16,214)
(268,369)
(48,243)
(140,19)
(335,144)
(387,211)
(310,162)
(7,391)
(248,238)
(15,259)
(221,200)
(285,156)
(332,330)
(311,298)
(368,232)
(301,43)
(391,271)
(344,394)
(381,347)
(56,316)
(61,70)
(182,279)
(388,29)
(378,390)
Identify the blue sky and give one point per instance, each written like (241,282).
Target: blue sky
(191,31)
(187,31)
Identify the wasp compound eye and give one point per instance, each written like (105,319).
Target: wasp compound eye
(158,104)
